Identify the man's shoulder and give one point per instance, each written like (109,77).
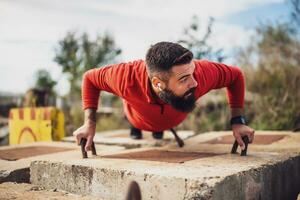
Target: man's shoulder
(201,62)
(134,72)
(129,67)
(134,63)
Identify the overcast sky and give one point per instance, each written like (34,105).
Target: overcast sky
(30,29)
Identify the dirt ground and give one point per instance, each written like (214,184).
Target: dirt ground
(21,191)
(26,152)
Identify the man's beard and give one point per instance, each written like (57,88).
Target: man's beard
(185,103)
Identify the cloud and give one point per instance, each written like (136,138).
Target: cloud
(30,29)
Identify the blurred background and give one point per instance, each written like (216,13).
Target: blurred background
(46,46)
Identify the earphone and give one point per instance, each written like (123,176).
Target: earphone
(159,88)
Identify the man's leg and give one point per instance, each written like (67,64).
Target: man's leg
(158,135)
(135,133)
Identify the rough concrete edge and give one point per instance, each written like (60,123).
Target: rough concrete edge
(188,188)
(264,182)
(19,176)
(249,184)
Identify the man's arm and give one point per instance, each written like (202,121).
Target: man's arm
(88,129)
(240,130)
(218,75)
(237,112)
(110,79)
(113,79)
(90,117)
(213,75)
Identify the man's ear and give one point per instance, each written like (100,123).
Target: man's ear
(157,83)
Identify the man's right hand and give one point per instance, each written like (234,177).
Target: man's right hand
(88,129)
(85,131)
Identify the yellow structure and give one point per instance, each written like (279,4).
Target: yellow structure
(31,124)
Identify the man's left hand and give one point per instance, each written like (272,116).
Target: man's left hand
(240,130)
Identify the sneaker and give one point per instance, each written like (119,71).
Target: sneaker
(158,135)
(136,134)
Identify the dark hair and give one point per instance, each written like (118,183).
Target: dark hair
(163,55)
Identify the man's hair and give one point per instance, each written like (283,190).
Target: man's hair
(163,55)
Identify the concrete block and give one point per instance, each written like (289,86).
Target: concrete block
(15,160)
(199,170)
(121,138)
(264,141)
(20,191)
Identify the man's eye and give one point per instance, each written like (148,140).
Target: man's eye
(183,80)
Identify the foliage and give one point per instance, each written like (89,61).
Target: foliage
(198,44)
(275,77)
(44,81)
(271,64)
(75,55)
(78,54)
(295,12)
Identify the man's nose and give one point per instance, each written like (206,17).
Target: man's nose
(193,83)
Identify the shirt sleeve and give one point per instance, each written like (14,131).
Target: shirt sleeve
(217,75)
(113,79)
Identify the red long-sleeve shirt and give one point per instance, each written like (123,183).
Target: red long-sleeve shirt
(143,109)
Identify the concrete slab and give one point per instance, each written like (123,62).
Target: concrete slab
(264,141)
(15,160)
(121,138)
(21,191)
(200,171)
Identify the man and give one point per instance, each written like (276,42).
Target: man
(159,93)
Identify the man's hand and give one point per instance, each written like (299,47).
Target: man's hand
(88,129)
(85,131)
(240,130)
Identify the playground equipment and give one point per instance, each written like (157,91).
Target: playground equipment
(32,124)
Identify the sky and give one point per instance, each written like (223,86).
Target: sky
(30,29)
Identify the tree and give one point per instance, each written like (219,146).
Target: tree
(295,13)
(44,81)
(274,77)
(198,44)
(212,115)
(42,94)
(78,54)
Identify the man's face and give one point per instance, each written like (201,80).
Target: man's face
(180,89)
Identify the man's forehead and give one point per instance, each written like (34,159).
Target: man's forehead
(179,70)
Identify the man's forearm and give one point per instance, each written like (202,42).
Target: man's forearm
(90,116)
(237,112)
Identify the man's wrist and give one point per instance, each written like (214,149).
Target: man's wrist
(90,123)
(90,117)
(238,120)
(237,112)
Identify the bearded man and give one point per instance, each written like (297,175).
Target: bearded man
(161,91)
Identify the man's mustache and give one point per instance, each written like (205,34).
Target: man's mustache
(192,90)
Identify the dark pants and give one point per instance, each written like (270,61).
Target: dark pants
(136,133)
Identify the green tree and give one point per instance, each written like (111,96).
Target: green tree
(42,93)
(68,57)
(78,54)
(199,43)
(210,114)
(295,12)
(44,81)
(273,77)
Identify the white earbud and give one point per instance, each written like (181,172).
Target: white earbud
(159,86)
